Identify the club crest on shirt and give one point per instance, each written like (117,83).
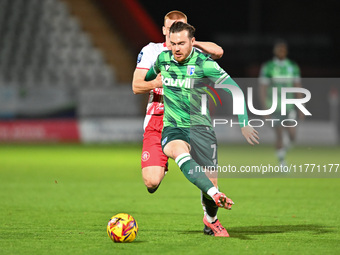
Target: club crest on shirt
(167,67)
(191,70)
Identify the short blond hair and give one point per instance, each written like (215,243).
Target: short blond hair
(174,15)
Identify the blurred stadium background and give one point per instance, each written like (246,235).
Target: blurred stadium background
(66,65)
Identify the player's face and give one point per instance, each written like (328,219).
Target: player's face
(281,51)
(181,45)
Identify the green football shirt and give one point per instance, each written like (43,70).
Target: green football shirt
(184,83)
(279,73)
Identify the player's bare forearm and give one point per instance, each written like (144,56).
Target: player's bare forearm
(140,86)
(250,134)
(211,48)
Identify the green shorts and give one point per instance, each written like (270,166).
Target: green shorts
(202,140)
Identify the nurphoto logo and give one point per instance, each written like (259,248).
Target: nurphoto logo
(239,106)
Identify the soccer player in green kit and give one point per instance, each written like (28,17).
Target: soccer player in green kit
(278,73)
(187,136)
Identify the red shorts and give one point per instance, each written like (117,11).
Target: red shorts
(152,154)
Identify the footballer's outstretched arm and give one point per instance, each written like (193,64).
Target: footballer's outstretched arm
(211,48)
(140,86)
(249,133)
(217,75)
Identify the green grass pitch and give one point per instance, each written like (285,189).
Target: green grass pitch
(57,199)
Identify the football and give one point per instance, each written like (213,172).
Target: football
(122,228)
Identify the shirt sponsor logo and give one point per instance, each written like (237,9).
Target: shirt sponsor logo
(191,70)
(182,83)
(140,55)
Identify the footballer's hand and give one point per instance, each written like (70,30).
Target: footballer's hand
(157,82)
(250,134)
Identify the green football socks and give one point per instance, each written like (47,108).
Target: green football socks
(193,172)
